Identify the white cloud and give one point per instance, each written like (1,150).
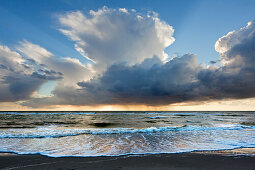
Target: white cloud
(34,51)
(154,81)
(109,36)
(235,37)
(237,47)
(71,68)
(11,59)
(129,66)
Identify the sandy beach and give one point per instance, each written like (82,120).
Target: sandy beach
(193,160)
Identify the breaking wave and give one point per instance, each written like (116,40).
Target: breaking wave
(57,133)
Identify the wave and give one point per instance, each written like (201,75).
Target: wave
(157,117)
(229,151)
(56,133)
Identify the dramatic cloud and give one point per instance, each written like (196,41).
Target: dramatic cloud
(110,36)
(71,68)
(16,76)
(181,79)
(129,65)
(151,82)
(236,77)
(23,73)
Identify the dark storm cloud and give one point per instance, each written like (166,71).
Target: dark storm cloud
(133,71)
(181,79)
(178,80)
(20,77)
(150,82)
(17,86)
(20,87)
(45,76)
(236,78)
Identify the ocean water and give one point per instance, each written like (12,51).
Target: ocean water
(118,133)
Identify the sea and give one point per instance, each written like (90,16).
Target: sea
(86,134)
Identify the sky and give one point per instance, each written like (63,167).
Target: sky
(127,55)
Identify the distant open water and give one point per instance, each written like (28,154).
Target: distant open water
(118,133)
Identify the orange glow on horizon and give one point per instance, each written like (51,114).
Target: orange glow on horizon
(226,105)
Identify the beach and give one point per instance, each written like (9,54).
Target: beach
(191,160)
(127,140)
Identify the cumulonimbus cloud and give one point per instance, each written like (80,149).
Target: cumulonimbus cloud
(182,79)
(110,36)
(129,64)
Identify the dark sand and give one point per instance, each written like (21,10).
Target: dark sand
(195,160)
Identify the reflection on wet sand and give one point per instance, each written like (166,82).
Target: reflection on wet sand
(239,151)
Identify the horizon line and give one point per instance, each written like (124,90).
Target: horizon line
(129,111)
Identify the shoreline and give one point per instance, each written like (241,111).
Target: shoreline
(242,158)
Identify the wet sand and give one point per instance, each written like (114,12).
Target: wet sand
(194,160)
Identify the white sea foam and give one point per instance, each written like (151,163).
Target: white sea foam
(157,117)
(52,132)
(80,134)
